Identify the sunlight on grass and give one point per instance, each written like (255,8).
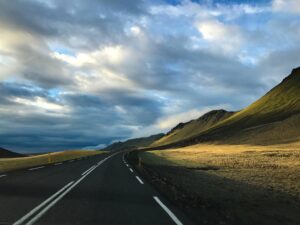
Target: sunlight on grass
(8,164)
(276,167)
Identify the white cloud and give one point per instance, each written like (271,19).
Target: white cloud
(101,80)
(109,54)
(42,105)
(228,37)
(292,6)
(98,70)
(97,147)
(135,30)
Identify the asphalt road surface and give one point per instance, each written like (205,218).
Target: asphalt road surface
(102,190)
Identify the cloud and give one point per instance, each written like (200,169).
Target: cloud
(69,81)
(227,37)
(97,147)
(290,6)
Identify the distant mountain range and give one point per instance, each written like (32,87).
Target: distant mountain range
(133,143)
(272,119)
(4,153)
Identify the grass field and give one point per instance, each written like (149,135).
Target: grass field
(8,164)
(234,184)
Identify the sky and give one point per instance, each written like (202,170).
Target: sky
(86,73)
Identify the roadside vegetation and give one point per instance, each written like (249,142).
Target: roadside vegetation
(8,164)
(230,184)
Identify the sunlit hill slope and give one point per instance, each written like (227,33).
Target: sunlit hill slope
(194,127)
(274,118)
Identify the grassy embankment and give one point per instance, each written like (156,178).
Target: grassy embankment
(8,164)
(231,184)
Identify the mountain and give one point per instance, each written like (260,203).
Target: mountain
(8,154)
(194,127)
(274,118)
(133,143)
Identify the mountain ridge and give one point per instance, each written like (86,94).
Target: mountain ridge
(133,143)
(194,127)
(276,106)
(273,118)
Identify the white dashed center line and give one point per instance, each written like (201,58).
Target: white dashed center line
(36,168)
(139,179)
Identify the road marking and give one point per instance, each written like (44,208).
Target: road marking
(131,170)
(51,204)
(100,162)
(71,161)
(139,179)
(36,168)
(28,215)
(56,164)
(124,158)
(3,175)
(41,213)
(168,211)
(88,170)
(51,201)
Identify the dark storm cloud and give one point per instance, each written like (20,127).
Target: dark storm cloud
(75,131)
(21,90)
(125,108)
(92,21)
(11,90)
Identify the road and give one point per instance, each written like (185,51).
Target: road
(102,190)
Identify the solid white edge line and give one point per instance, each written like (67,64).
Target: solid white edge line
(36,168)
(131,170)
(3,175)
(139,179)
(168,211)
(21,220)
(41,213)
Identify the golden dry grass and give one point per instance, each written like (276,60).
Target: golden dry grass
(275,167)
(9,164)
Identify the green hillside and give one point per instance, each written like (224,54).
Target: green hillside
(278,104)
(274,118)
(133,143)
(194,127)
